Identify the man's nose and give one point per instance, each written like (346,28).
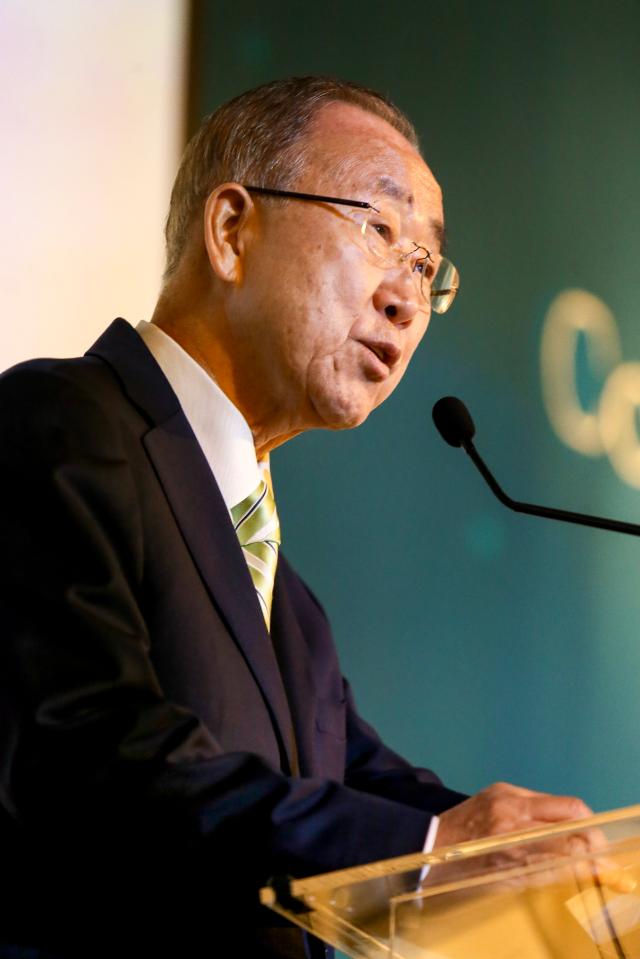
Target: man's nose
(397,297)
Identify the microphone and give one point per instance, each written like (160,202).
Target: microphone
(453,422)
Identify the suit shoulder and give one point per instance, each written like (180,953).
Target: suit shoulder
(59,406)
(80,374)
(71,390)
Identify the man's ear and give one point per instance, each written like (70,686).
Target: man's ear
(226,214)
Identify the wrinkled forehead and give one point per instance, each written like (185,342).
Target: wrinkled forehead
(381,168)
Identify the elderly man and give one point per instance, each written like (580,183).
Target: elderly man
(175,726)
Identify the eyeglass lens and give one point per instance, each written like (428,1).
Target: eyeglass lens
(444,287)
(441,290)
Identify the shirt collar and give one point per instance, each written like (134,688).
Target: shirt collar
(218,425)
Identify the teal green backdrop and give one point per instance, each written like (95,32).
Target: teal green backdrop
(485,644)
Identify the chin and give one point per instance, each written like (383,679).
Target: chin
(344,409)
(345,418)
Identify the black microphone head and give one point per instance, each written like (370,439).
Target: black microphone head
(453,421)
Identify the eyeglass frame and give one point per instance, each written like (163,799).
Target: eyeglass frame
(359,204)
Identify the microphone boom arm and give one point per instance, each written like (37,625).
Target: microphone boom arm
(560,514)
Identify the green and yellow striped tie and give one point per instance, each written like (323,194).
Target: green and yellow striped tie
(256,522)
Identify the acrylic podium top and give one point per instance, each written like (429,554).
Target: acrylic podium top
(568,891)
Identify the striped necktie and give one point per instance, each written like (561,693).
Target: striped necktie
(258,529)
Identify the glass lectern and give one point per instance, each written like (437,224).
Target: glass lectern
(569,891)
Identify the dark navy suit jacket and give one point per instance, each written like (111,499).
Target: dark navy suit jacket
(161,756)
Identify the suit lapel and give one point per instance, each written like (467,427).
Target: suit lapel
(296,667)
(200,512)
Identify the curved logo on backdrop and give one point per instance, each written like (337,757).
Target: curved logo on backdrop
(610,428)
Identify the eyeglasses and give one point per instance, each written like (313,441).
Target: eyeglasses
(436,287)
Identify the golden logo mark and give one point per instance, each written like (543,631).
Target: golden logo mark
(610,429)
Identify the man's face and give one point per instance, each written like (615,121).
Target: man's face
(327,332)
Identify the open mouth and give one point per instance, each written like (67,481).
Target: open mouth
(387,353)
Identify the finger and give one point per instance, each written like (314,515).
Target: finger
(595,839)
(603,871)
(588,864)
(615,878)
(568,806)
(587,840)
(548,808)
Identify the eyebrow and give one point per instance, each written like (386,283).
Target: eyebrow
(388,186)
(440,231)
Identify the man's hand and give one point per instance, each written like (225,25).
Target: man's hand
(504,808)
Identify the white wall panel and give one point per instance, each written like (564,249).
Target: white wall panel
(90,126)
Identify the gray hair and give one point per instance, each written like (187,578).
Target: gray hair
(255,138)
